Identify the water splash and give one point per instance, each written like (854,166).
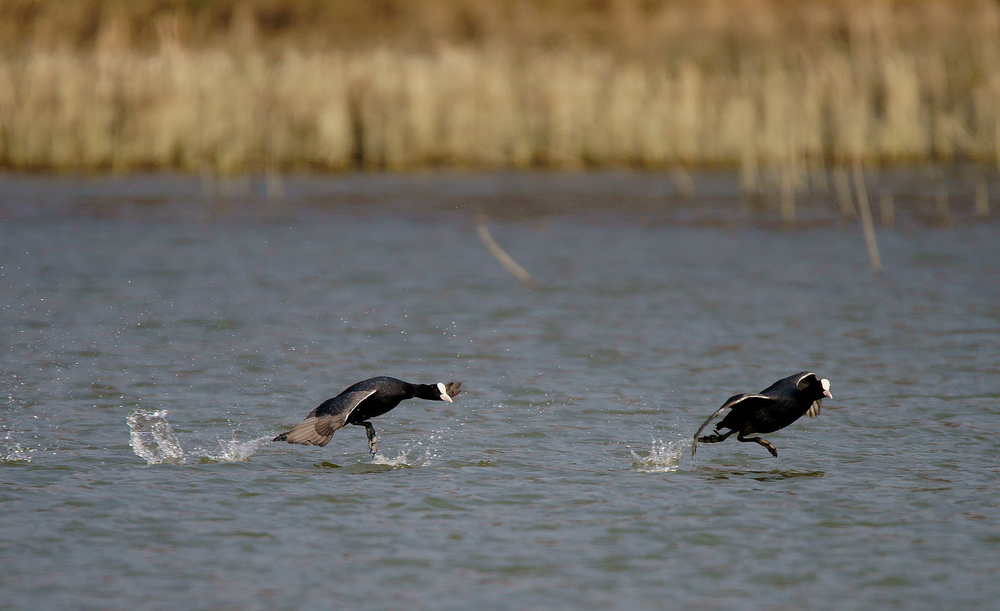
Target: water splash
(663,457)
(14,452)
(152,437)
(403,458)
(232,450)
(153,440)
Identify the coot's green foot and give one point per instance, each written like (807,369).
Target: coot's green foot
(715,438)
(767,444)
(372,438)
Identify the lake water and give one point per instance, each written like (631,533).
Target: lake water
(157,331)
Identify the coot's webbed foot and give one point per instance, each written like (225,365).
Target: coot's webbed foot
(372,437)
(716,437)
(767,444)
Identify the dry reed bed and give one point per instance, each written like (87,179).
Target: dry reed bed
(229,111)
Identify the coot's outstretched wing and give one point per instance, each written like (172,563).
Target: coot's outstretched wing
(319,426)
(801,381)
(733,401)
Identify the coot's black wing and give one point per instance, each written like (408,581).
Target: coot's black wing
(319,426)
(734,402)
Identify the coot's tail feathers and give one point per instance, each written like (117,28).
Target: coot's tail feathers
(314,430)
(694,442)
(453,388)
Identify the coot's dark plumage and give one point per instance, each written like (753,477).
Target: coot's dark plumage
(773,408)
(360,403)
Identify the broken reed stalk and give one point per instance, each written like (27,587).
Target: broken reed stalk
(887,208)
(843,187)
(866,218)
(509,263)
(982,200)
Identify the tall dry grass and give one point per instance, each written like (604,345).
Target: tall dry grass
(872,94)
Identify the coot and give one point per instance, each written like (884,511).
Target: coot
(773,408)
(360,403)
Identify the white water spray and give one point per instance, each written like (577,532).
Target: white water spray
(663,457)
(153,440)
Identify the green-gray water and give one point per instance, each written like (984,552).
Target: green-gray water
(560,478)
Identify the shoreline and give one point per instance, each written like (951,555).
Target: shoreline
(924,195)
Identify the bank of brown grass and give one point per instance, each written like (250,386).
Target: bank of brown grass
(227,86)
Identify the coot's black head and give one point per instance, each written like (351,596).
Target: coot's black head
(814,387)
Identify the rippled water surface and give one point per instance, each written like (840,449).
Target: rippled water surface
(152,343)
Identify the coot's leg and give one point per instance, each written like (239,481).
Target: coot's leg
(763,442)
(372,437)
(716,437)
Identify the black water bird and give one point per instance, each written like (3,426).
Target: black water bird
(773,408)
(360,403)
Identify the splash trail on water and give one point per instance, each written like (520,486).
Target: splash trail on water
(14,452)
(232,450)
(663,457)
(403,459)
(153,439)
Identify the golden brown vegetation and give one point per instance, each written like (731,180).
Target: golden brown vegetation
(234,86)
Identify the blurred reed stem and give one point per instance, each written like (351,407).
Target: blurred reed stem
(982,202)
(867,226)
(887,208)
